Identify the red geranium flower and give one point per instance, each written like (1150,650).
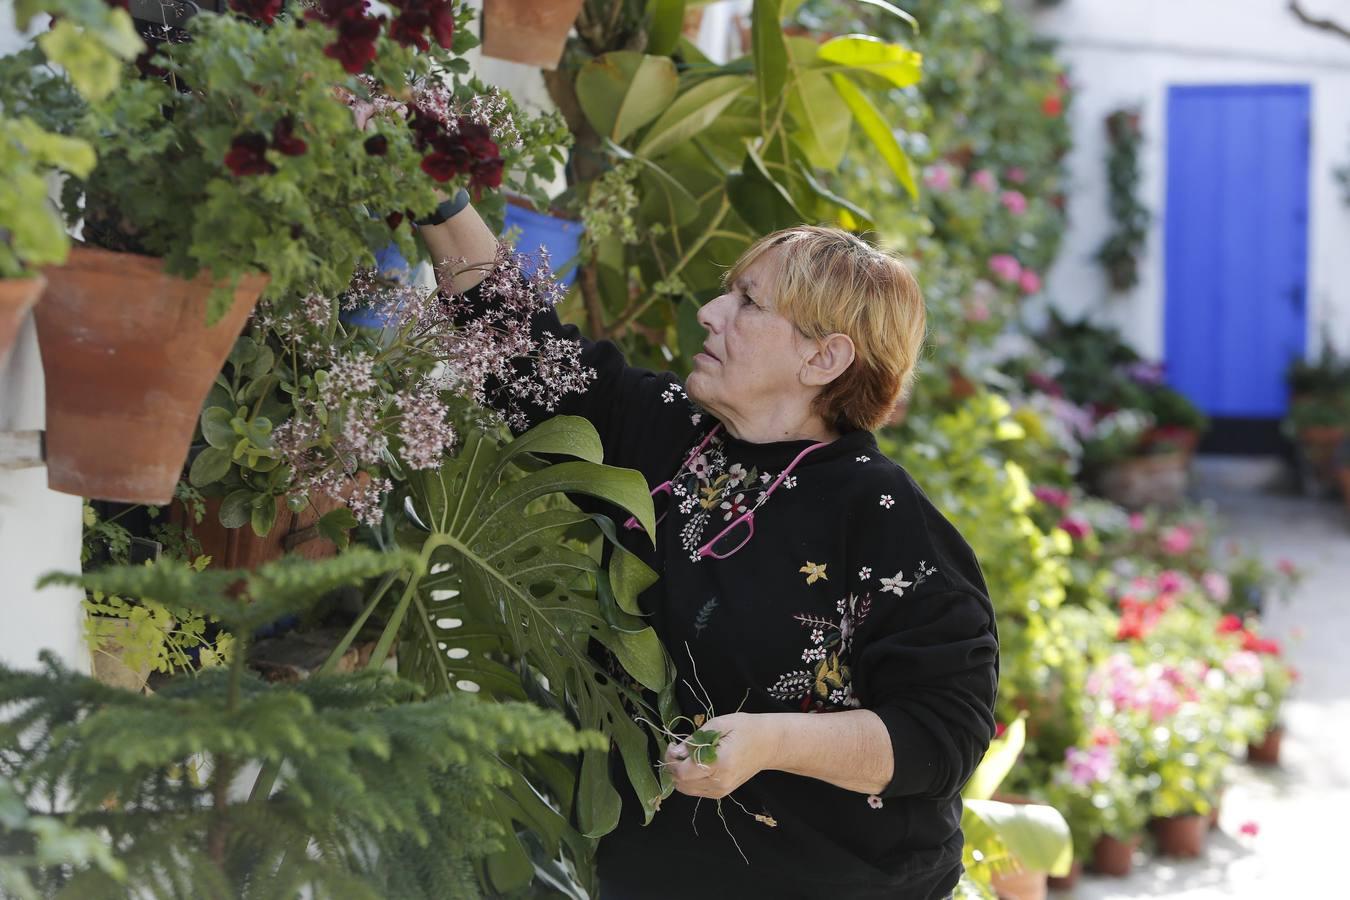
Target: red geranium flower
(393,220)
(284,139)
(440,166)
(1230,624)
(376,145)
(487,173)
(261,10)
(248,155)
(1052,105)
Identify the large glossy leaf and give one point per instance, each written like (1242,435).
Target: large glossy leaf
(876,129)
(766,40)
(621,91)
(692,112)
(900,66)
(822,118)
(1037,836)
(764,203)
(510,606)
(667,18)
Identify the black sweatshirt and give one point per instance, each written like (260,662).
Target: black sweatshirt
(854,591)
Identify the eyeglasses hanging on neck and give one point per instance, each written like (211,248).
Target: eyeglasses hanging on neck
(736,535)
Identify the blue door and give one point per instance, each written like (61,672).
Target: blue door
(1236,243)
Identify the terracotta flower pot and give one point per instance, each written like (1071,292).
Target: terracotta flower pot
(1020,885)
(1158,479)
(17,296)
(128,359)
(1066,882)
(1182,836)
(528,31)
(1112,856)
(1267,752)
(1319,444)
(293,533)
(108,663)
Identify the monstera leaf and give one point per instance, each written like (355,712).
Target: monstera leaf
(510,604)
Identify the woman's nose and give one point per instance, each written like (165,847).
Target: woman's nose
(708,314)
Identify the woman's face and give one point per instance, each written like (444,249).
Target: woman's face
(752,357)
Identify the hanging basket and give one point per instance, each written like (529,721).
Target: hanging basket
(128,359)
(17,296)
(528,31)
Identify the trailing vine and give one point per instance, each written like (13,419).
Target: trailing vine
(1119,253)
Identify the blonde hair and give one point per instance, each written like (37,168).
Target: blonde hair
(830,281)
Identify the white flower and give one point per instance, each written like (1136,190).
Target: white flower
(896,585)
(765,478)
(790,482)
(874,801)
(864,573)
(864,458)
(735,475)
(886,501)
(817,636)
(696,418)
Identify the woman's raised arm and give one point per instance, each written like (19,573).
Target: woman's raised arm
(462,239)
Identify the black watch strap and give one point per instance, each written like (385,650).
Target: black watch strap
(446,209)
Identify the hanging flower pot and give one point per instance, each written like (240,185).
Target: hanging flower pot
(17,296)
(1181,836)
(1113,856)
(128,358)
(528,31)
(294,533)
(1155,479)
(1266,752)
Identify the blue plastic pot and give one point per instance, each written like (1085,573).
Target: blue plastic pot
(562,238)
(391,264)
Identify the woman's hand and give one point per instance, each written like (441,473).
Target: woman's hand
(747,747)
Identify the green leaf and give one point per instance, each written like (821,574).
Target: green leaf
(216,428)
(895,11)
(86,55)
(689,332)
(997,762)
(1035,834)
(621,91)
(899,65)
(598,803)
(264,514)
(824,193)
(336,526)
(667,20)
(770,52)
(692,112)
(678,199)
(763,203)
(237,508)
(210,466)
(875,127)
(815,105)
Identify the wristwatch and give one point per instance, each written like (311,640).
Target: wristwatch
(446,209)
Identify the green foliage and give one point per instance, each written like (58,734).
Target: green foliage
(1119,253)
(712,156)
(367,806)
(510,605)
(37,841)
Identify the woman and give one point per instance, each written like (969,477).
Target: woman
(802,572)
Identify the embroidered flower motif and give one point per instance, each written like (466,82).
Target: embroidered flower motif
(737,475)
(696,418)
(790,482)
(874,801)
(829,684)
(896,585)
(864,573)
(687,505)
(886,501)
(813,654)
(814,572)
(765,478)
(817,636)
(667,396)
(864,458)
(734,507)
(700,467)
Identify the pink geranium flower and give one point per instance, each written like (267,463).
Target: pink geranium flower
(1249,829)
(1029,282)
(1218,587)
(1137,521)
(1005,267)
(1077,528)
(984,180)
(1176,540)
(1013,202)
(1016,174)
(1051,496)
(938,178)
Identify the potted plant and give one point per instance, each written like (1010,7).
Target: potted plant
(1127,467)
(153,774)
(87,40)
(1104,803)
(528,31)
(221,173)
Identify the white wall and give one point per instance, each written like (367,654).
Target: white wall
(1126,53)
(39,529)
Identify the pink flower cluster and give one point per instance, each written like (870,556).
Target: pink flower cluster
(1159,690)
(1006,268)
(1091,765)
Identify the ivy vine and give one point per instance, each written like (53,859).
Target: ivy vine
(1119,253)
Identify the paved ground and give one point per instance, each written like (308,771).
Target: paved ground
(1302,810)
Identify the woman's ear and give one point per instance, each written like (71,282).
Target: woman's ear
(833,356)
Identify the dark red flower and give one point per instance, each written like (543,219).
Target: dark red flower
(442,23)
(487,173)
(424,125)
(248,155)
(439,166)
(355,44)
(260,10)
(476,139)
(1045,384)
(393,220)
(409,26)
(147,68)
(376,145)
(284,139)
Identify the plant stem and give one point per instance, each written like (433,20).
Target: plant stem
(634,312)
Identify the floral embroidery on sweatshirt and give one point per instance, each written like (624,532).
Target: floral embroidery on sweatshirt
(826,681)
(898,584)
(717,491)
